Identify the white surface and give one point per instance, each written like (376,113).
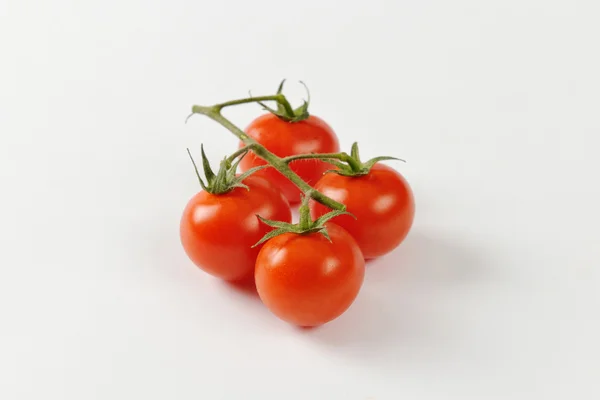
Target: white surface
(494,105)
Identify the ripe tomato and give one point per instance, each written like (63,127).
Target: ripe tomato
(382,202)
(217,231)
(282,138)
(307,280)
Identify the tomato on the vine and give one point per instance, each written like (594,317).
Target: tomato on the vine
(218,230)
(382,202)
(308,280)
(283,138)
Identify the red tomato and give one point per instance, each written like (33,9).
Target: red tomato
(382,202)
(282,138)
(217,231)
(307,280)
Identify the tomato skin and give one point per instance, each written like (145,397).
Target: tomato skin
(307,280)
(285,139)
(382,202)
(217,231)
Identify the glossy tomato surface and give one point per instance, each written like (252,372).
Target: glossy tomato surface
(382,202)
(283,138)
(307,280)
(217,231)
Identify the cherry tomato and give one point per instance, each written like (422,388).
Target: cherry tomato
(217,231)
(282,138)
(307,280)
(382,202)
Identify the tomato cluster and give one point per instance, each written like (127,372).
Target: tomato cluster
(239,226)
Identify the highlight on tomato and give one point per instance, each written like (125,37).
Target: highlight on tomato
(309,273)
(286,132)
(377,195)
(219,225)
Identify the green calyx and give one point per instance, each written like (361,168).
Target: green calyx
(284,109)
(351,165)
(304,227)
(225,179)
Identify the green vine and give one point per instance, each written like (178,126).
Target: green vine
(214,113)
(348,165)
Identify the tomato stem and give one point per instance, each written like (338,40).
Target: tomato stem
(305,222)
(279,98)
(214,113)
(347,165)
(353,163)
(285,111)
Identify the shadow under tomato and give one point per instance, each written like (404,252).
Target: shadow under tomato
(403,308)
(246,287)
(307,328)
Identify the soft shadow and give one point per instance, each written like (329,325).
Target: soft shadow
(402,310)
(434,259)
(165,255)
(246,287)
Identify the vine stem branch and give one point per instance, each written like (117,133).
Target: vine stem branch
(353,163)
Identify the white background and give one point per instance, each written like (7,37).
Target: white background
(494,104)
